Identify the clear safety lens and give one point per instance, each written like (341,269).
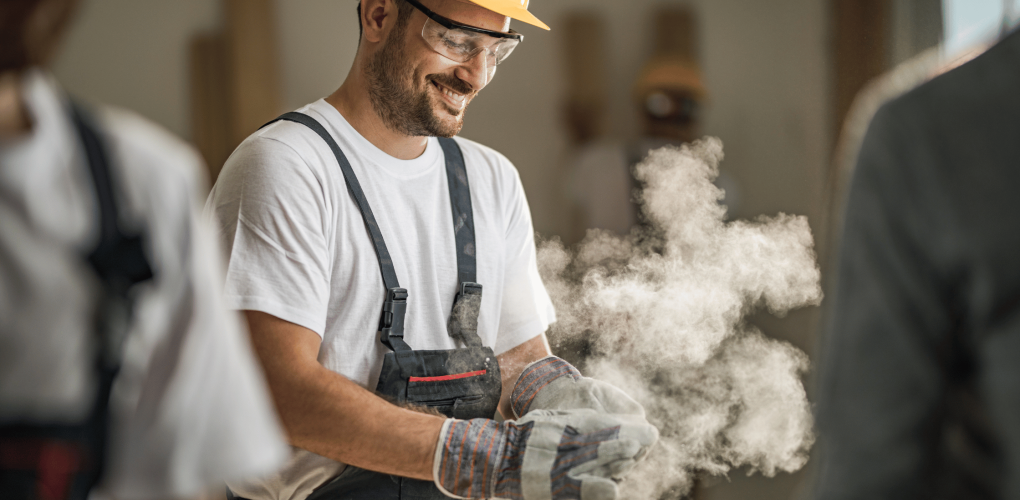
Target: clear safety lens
(462,45)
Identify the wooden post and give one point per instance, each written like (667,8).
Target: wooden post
(210,100)
(676,32)
(254,70)
(585,57)
(235,80)
(861,47)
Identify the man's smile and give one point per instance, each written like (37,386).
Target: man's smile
(454,99)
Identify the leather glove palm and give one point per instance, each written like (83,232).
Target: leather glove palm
(547,455)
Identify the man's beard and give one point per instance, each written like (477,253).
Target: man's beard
(404,105)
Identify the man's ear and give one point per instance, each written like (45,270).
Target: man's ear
(377,19)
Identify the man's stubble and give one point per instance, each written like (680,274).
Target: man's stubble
(401,98)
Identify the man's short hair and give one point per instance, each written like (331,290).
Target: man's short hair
(30,31)
(404,11)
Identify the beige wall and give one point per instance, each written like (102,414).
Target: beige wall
(765,64)
(134,53)
(318,39)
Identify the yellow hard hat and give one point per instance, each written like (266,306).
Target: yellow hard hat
(514,9)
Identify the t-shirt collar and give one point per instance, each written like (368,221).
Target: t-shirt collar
(424,163)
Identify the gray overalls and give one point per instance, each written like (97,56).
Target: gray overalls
(460,383)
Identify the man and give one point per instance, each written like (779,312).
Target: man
(316,206)
(92,201)
(920,385)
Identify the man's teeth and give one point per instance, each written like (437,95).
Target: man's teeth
(452,95)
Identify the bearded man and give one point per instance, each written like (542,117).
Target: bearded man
(388,387)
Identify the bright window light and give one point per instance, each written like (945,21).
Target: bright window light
(1013,12)
(971,22)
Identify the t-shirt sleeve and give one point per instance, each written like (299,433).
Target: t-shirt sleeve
(527,310)
(271,209)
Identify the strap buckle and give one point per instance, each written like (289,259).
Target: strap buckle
(468,288)
(391,323)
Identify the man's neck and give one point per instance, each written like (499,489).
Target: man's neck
(13,116)
(353,102)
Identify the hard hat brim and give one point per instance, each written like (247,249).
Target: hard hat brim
(511,10)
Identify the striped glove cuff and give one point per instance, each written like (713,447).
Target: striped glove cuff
(535,377)
(481,458)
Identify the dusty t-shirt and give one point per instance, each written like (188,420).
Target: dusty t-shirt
(299,250)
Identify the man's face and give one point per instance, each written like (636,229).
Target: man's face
(418,92)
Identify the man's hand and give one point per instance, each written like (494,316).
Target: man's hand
(547,455)
(553,384)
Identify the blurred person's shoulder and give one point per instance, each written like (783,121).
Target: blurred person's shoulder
(955,126)
(946,151)
(162,176)
(978,95)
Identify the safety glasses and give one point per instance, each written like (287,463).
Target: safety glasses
(461,42)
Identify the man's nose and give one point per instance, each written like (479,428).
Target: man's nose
(477,71)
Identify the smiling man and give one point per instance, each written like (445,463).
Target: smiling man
(389,278)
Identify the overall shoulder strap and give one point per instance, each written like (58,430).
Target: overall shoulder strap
(119,258)
(391,322)
(389,275)
(463,217)
(463,324)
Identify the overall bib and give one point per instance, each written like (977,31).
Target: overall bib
(459,383)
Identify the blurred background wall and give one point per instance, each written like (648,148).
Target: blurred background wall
(781,76)
(135,54)
(765,62)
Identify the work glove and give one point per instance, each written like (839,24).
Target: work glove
(547,455)
(554,384)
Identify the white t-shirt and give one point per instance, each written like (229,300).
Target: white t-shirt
(299,250)
(190,406)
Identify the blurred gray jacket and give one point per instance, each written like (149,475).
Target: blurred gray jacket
(919,392)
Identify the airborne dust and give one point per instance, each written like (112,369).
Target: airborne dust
(660,313)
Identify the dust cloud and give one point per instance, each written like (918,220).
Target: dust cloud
(660,313)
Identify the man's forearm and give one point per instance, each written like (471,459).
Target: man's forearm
(357,427)
(327,414)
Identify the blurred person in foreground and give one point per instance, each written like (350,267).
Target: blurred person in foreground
(379,260)
(121,371)
(919,395)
